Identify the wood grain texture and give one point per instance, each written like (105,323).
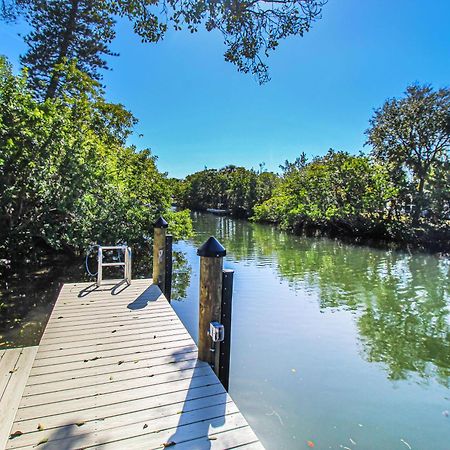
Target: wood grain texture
(15,366)
(117,369)
(210,305)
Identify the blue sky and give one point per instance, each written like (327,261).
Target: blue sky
(196,110)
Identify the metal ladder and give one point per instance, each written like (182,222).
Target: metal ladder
(126,264)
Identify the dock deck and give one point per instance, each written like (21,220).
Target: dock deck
(117,369)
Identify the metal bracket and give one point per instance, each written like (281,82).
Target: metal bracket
(216,331)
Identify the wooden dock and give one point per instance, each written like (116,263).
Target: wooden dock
(15,366)
(116,368)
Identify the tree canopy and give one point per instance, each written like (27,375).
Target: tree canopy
(83,29)
(412,136)
(67,176)
(231,188)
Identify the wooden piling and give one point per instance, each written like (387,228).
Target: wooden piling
(211,265)
(159,252)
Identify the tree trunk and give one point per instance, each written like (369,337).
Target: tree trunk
(67,39)
(419,200)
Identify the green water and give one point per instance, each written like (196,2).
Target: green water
(347,347)
(344,346)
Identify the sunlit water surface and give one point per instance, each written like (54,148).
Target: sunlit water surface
(342,346)
(333,346)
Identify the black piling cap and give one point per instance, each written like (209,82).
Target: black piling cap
(212,248)
(161,223)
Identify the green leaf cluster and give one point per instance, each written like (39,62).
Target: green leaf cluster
(349,190)
(232,188)
(67,177)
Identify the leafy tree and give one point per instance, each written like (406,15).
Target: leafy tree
(63,30)
(412,135)
(338,190)
(83,29)
(66,175)
(290,167)
(233,188)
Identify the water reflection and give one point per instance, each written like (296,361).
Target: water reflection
(401,301)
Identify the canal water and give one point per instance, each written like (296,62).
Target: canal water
(334,346)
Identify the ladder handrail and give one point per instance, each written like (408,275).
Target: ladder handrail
(126,263)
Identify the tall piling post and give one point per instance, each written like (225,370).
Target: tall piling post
(169,267)
(226,310)
(159,253)
(210,298)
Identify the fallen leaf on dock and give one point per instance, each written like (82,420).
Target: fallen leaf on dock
(212,438)
(40,427)
(169,444)
(113,331)
(121,362)
(43,441)
(79,424)
(15,434)
(13,370)
(60,317)
(145,426)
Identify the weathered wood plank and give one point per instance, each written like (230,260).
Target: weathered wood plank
(7,364)
(12,391)
(112,386)
(84,403)
(179,434)
(128,373)
(181,401)
(121,371)
(170,349)
(121,348)
(112,368)
(138,339)
(136,424)
(237,438)
(100,336)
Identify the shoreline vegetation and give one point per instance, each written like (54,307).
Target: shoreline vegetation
(398,193)
(69,177)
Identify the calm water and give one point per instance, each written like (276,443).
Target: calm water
(347,347)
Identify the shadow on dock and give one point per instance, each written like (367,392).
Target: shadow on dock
(151,294)
(115,289)
(203,411)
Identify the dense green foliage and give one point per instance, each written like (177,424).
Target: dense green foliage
(411,136)
(339,189)
(83,29)
(67,177)
(232,188)
(400,191)
(65,30)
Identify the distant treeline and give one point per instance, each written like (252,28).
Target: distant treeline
(400,191)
